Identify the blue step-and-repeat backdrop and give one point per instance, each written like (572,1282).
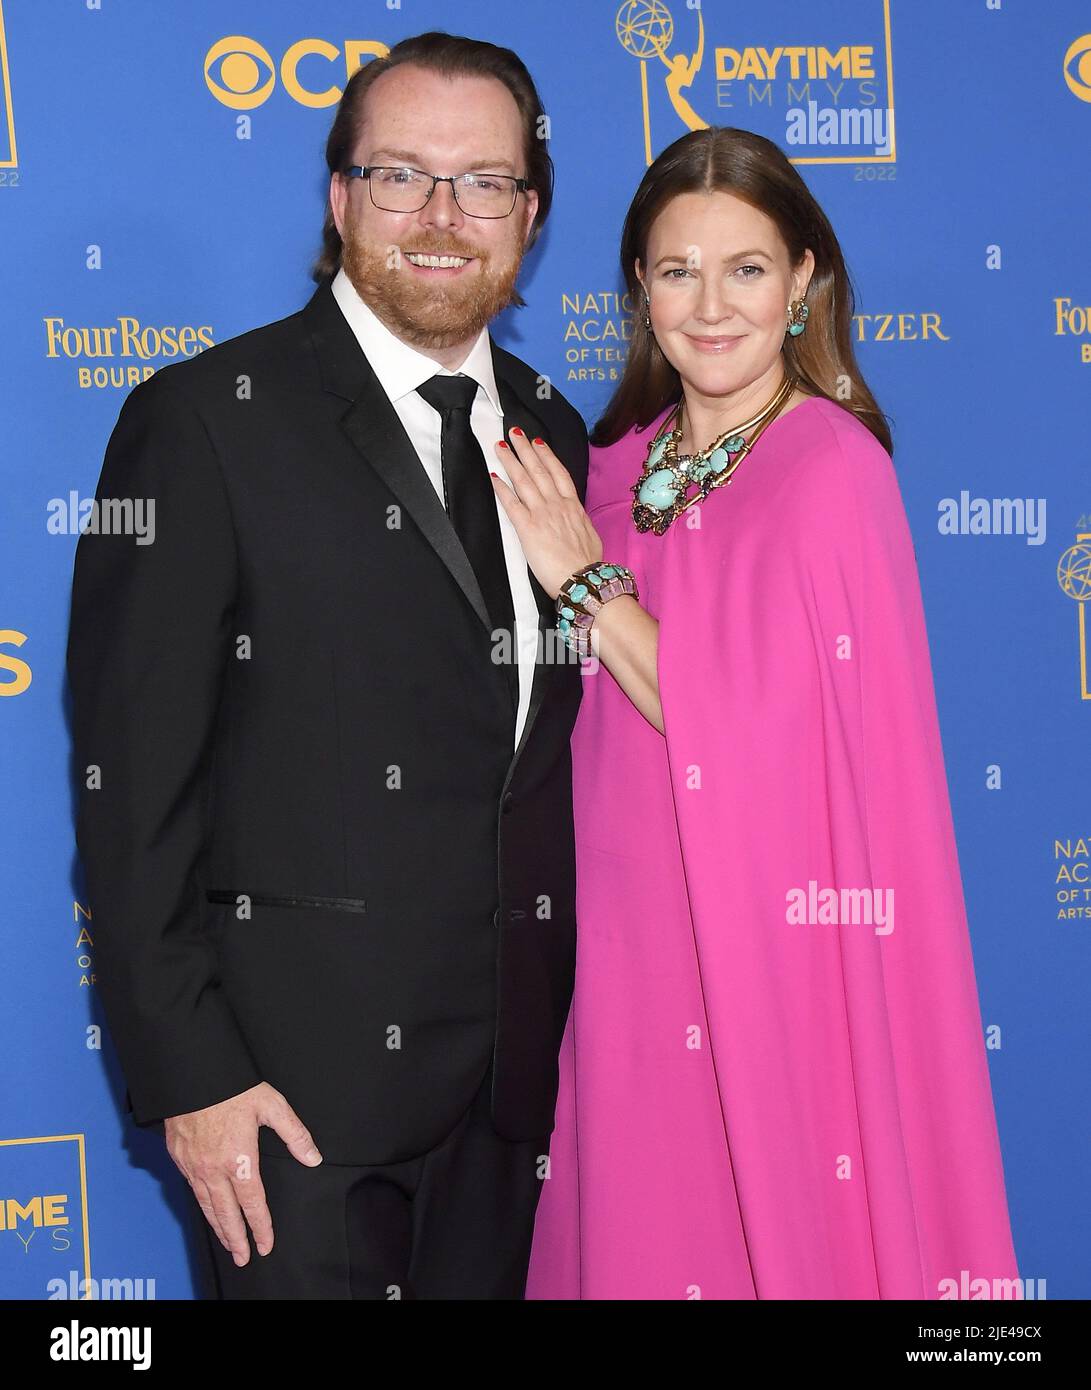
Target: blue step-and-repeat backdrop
(162,188)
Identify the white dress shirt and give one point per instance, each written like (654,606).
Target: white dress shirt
(400,369)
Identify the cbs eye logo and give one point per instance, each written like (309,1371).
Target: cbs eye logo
(241,61)
(241,73)
(1077,68)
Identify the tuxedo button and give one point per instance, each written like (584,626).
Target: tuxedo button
(506,804)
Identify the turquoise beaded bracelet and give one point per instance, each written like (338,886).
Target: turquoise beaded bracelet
(581,597)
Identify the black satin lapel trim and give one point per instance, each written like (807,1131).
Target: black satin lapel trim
(341,361)
(517,409)
(547,616)
(518,412)
(372,424)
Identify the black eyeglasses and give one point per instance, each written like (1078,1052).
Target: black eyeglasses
(408,190)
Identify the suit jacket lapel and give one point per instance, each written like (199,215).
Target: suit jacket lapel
(373,426)
(517,411)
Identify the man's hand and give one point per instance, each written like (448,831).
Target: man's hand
(216,1150)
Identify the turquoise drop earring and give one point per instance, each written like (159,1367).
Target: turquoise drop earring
(798,313)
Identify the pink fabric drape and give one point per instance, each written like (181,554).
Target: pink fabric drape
(754,1106)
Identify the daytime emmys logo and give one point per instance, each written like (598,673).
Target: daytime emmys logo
(840,95)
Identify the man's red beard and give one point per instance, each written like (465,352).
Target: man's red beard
(438,315)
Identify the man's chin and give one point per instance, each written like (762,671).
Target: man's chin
(440,316)
(435,316)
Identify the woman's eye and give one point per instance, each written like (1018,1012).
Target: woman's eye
(756,268)
(677,270)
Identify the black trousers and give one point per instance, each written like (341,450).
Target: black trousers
(454,1223)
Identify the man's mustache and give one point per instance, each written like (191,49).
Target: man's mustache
(425,248)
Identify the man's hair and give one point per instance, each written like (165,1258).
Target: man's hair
(453,56)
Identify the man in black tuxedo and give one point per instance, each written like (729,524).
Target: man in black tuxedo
(325,798)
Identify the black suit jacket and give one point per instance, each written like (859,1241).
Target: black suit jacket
(290,699)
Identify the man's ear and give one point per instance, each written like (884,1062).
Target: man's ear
(531,212)
(338,198)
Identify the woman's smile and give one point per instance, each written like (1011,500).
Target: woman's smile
(722,342)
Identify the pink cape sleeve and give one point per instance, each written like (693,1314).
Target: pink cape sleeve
(805,760)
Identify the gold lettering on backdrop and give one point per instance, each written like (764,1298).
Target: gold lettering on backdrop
(39,1211)
(241,73)
(673,52)
(899,327)
(126,340)
(597,325)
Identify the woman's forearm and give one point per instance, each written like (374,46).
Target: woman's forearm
(626,637)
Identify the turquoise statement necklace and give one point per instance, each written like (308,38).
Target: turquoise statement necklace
(670,483)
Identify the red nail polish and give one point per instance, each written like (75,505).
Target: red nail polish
(502,443)
(493,475)
(516,430)
(538,441)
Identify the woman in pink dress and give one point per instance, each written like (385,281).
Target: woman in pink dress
(773,1081)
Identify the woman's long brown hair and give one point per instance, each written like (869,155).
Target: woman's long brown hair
(728,160)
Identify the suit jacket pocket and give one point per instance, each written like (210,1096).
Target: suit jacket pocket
(232,895)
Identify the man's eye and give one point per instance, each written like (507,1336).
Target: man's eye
(483,181)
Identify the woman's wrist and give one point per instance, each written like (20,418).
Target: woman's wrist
(583,596)
(614,612)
